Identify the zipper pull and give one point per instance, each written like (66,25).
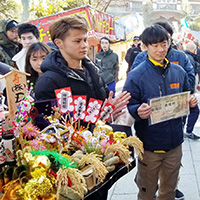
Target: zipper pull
(160,91)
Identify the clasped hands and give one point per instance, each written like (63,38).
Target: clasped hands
(120,102)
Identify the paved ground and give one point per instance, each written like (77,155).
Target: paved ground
(189,184)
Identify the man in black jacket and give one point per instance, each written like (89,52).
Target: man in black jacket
(133,52)
(69,66)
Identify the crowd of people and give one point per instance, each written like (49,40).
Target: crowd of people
(155,69)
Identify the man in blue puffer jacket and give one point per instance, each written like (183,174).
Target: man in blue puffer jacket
(180,58)
(156,77)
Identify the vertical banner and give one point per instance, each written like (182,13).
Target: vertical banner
(15,89)
(79,107)
(106,112)
(65,100)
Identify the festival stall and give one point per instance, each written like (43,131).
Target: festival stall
(99,24)
(63,148)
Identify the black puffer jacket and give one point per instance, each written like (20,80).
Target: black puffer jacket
(58,75)
(108,61)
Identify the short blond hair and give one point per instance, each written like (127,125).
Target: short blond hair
(60,27)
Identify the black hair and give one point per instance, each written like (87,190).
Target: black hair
(39,46)
(105,38)
(166,26)
(26,28)
(154,34)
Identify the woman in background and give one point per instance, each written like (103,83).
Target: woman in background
(34,58)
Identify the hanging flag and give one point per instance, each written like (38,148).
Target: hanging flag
(184,23)
(93,110)
(79,107)
(106,112)
(65,100)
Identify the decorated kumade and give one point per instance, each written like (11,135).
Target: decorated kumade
(63,159)
(106,112)
(93,110)
(65,100)
(79,107)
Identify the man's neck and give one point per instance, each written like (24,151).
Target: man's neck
(105,50)
(72,63)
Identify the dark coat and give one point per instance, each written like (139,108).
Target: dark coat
(4,68)
(134,52)
(174,56)
(194,61)
(8,48)
(58,75)
(108,61)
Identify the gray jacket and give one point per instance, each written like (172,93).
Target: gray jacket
(108,62)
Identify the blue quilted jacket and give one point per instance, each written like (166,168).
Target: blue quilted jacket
(175,56)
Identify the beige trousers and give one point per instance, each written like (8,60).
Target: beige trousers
(162,166)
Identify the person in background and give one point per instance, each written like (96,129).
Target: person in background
(108,61)
(70,67)
(36,53)
(156,76)
(191,52)
(134,52)
(197,46)
(180,46)
(128,57)
(28,34)
(9,44)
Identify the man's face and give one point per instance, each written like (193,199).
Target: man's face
(28,39)
(12,35)
(105,45)
(158,51)
(74,46)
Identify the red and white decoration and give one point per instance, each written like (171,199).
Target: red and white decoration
(65,100)
(79,107)
(93,110)
(106,112)
(77,104)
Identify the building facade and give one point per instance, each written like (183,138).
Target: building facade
(154,10)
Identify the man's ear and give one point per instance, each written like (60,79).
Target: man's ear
(58,42)
(143,47)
